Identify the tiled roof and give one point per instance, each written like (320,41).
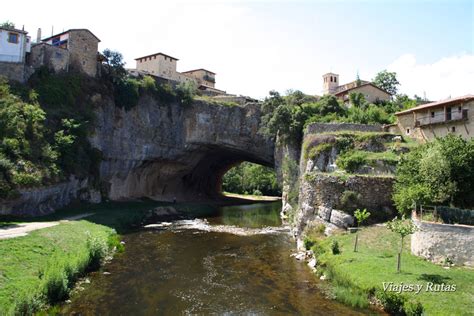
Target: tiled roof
(464,98)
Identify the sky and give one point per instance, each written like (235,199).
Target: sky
(258,46)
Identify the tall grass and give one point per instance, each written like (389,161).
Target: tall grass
(55,278)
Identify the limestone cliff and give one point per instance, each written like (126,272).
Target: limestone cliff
(166,151)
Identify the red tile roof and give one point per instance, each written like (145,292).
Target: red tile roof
(362,85)
(184,72)
(68,31)
(462,99)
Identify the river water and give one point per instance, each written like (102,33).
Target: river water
(235,261)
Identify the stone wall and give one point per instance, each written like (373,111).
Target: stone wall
(44,200)
(13,71)
(437,242)
(317,128)
(53,57)
(323,190)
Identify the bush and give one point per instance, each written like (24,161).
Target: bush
(308,243)
(349,200)
(451,215)
(97,251)
(335,247)
(351,161)
(412,307)
(392,303)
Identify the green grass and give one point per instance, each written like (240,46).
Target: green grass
(375,262)
(39,269)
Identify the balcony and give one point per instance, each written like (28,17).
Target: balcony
(209,79)
(442,117)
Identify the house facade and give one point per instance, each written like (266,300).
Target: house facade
(14,44)
(165,66)
(82,47)
(202,76)
(371,92)
(437,119)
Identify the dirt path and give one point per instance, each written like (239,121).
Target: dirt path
(22,229)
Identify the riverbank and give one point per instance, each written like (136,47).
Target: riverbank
(39,270)
(251,198)
(358,277)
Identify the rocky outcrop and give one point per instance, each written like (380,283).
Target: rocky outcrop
(44,200)
(168,151)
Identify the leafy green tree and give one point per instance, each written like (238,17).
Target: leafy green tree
(248,178)
(7,25)
(357,99)
(329,104)
(114,65)
(361,216)
(403,227)
(439,172)
(387,80)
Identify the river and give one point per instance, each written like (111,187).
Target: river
(234,261)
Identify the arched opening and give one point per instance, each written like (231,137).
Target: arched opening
(247,178)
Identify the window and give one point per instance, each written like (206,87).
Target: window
(459,109)
(13,38)
(432,114)
(408,131)
(453,129)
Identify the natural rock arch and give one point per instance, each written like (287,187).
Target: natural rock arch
(174,151)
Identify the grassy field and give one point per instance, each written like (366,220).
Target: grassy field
(39,269)
(357,275)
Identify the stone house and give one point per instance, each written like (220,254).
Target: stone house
(165,66)
(437,119)
(82,51)
(371,92)
(14,46)
(203,76)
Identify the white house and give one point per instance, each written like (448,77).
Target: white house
(14,44)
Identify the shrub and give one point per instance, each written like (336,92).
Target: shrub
(97,251)
(349,200)
(351,161)
(392,303)
(308,243)
(451,215)
(413,307)
(335,247)
(257,192)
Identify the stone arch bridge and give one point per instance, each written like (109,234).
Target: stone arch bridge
(175,151)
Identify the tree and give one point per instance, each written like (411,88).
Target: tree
(439,172)
(360,216)
(402,227)
(7,25)
(387,80)
(357,99)
(114,65)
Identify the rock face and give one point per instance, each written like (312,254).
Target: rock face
(175,151)
(41,201)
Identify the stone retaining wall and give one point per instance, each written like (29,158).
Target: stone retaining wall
(437,242)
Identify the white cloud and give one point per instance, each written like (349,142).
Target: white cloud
(450,76)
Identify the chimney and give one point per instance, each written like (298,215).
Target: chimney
(38,35)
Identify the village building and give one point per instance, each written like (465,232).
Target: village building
(164,66)
(74,49)
(14,45)
(437,119)
(371,92)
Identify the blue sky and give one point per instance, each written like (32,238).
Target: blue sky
(255,46)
